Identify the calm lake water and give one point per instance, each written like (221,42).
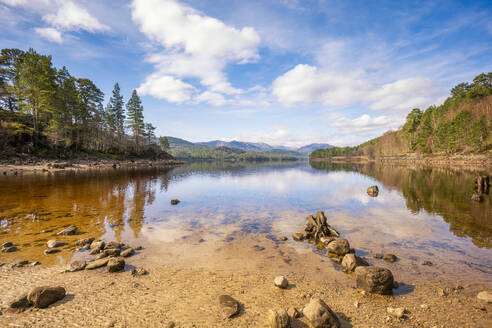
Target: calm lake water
(420,214)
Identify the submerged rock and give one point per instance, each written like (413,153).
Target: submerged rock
(42,297)
(351,261)
(113,245)
(71,230)
(175,201)
(7,244)
(373,191)
(278,319)
(55,243)
(390,258)
(51,251)
(281,282)
(320,315)
(485,296)
(228,306)
(84,241)
(10,249)
(339,247)
(374,279)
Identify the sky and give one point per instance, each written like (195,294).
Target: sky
(284,72)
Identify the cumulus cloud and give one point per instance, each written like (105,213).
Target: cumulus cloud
(50,34)
(61,16)
(366,123)
(194,46)
(307,84)
(166,87)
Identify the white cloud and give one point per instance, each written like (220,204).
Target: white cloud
(213,98)
(404,94)
(50,34)
(195,45)
(366,123)
(305,83)
(60,15)
(71,17)
(166,87)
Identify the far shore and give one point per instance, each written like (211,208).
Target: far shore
(475,162)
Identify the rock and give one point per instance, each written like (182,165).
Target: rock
(35,263)
(71,230)
(327,240)
(320,315)
(378,256)
(97,264)
(228,306)
(42,297)
(356,304)
(20,303)
(138,248)
(9,249)
(113,245)
(299,236)
(339,247)
(101,256)
(46,230)
(7,244)
(128,252)
(97,245)
(477,197)
(390,258)
(283,238)
(429,263)
(317,227)
(19,263)
(116,265)
(139,272)
(396,312)
(373,191)
(84,241)
(281,282)
(112,252)
(485,296)
(76,266)
(278,319)
(374,279)
(293,312)
(55,243)
(351,261)
(175,201)
(51,251)
(424,306)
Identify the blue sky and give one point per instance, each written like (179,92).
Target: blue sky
(285,72)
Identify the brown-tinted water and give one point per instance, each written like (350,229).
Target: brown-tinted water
(226,211)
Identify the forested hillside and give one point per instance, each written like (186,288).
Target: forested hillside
(46,111)
(462,124)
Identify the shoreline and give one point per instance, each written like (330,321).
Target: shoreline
(36,165)
(473,162)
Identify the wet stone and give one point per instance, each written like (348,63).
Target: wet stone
(175,201)
(7,244)
(10,249)
(128,252)
(71,230)
(84,241)
(97,264)
(55,243)
(391,258)
(112,252)
(339,247)
(51,251)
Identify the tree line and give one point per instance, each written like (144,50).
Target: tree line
(46,106)
(462,124)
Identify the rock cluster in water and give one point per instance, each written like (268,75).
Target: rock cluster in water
(482,186)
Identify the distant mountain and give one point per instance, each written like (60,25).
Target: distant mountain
(260,147)
(312,147)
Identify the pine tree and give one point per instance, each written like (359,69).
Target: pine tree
(135,120)
(115,113)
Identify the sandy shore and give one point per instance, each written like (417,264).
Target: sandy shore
(19,167)
(185,289)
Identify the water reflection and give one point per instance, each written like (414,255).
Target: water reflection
(224,203)
(436,191)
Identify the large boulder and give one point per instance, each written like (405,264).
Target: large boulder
(278,319)
(339,247)
(71,230)
(351,261)
(374,279)
(320,315)
(42,297)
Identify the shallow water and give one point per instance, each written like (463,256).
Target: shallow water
(419,214)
